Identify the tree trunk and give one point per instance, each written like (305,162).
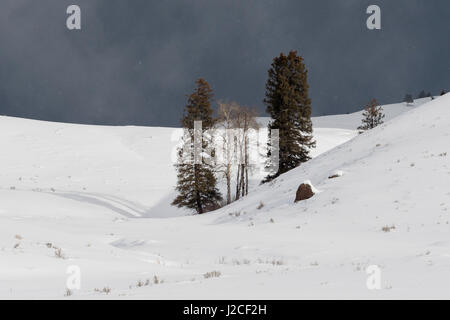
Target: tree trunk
(238,183)
(246,166)
(242,180)
(199,203)
(246,180)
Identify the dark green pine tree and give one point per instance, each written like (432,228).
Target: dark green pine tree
(196,184)
(289,106)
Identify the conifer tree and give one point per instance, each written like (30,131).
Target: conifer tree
(373,116)
(289,106)
(422,94)
(408,99)
(196,184)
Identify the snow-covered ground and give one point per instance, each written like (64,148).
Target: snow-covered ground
(102,195)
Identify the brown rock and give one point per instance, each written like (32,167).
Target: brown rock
(304,192)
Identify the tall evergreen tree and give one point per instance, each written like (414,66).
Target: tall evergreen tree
(289,106)
(196,184)
(373,116)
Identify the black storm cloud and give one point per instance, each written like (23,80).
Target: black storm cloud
(134,61)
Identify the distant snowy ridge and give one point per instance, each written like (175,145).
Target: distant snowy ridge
(351,121)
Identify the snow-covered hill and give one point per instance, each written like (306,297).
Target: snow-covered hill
(100,194)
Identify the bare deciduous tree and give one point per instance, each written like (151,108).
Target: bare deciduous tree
(243,122)
(226,114)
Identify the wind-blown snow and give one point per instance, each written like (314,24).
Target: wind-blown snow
(100,194)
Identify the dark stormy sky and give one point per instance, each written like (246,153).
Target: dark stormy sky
(134,61)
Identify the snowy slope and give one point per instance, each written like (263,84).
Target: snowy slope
(395,175)
(90,190)
(117,167)
(351,121)
(333,130)
(126,169)
(75,187)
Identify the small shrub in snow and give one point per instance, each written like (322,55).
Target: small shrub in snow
(106,290)
(222,260)
(277,262)
(16,245)
(387,228)
(155,280)
(260,205)
(212,274)
(274,262)
(141,283)
(239,262)
(271,220)
(68,293)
